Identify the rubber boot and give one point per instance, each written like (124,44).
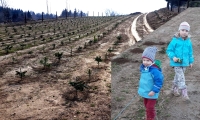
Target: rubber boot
(185,95)
(175,91)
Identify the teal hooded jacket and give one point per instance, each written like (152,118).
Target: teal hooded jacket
(151,79)
(182,49)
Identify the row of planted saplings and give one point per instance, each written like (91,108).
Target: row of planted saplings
(47,65)
(95,40)
(41,29)
(79,85)
(22,45)
(48,25)
(58,55)
(109,50)
(32,35)
(101,36)
(56,31)
(44,62)
(28,34)
(8,47)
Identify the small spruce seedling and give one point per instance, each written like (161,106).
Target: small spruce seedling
(21,73)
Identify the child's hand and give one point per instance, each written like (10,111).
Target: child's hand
(190,65)
(151,93)
(175,59)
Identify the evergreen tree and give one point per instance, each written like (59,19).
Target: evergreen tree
(75,13)
(29,16)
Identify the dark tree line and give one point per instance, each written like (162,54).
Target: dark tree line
(75,13)
(16,15)
(9,15)
(178,3)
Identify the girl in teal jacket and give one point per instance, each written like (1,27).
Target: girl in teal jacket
(180,53)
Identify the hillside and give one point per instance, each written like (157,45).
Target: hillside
(125,75)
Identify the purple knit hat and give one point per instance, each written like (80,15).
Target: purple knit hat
(184,25)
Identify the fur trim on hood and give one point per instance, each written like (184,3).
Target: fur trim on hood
(177,35)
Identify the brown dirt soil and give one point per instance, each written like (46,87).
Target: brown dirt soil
(125,77)
(161,16)
(46,93)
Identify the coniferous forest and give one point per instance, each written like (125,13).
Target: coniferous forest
(17,15)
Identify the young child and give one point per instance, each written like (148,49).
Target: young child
(151,81)
(180,53)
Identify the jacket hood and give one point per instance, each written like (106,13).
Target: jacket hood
(153,66)
(177,35)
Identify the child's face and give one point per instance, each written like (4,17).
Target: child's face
(146,62)
(183,33)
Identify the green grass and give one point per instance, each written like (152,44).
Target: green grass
(119,99)
(126,91)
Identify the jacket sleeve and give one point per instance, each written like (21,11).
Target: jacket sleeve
(170,49)
(191,57)
(158,80)
(141,67)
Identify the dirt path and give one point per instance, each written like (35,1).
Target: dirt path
(149,29)
(133,29)
(125,75)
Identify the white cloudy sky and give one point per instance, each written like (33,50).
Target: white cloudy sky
(119,6)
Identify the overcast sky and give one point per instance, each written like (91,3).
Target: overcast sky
(88,6)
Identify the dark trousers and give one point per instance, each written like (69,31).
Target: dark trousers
(150,108)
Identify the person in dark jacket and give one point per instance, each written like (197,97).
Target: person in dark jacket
(180,53)
(151,81)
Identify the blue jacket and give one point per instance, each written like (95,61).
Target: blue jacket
(182,49)
(151,79)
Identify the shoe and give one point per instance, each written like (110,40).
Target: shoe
(186,99)
(176,93)
(185,96)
